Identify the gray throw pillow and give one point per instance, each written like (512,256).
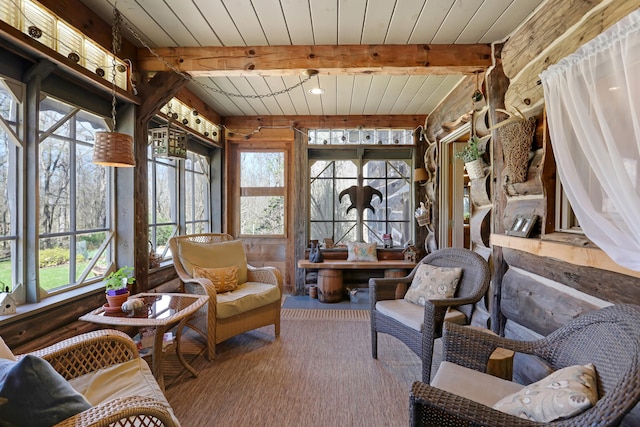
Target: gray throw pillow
(33,394)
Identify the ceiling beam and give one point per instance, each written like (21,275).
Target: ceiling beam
(326,122)
(417,59)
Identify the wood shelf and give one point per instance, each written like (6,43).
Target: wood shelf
(589,257)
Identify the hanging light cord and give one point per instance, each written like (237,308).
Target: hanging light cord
(116,41)
(204,85)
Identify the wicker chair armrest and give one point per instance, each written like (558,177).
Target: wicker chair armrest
(471,348)
(130,411)
(385,289)
(430,406)
(269,275)
(88,352)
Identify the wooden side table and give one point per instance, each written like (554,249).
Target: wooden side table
(500,362)
(163,312)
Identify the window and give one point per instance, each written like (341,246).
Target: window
(385,164)
(196,194)
(262,192)
(74,202)
(163,201)
(10,181)
(565,217)
(328,214)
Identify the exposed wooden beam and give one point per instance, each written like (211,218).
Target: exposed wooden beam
(325,122)
(417,59)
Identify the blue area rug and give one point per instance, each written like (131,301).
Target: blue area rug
(361,302)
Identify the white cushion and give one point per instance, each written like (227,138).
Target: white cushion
(562,394)
(412,315)
(473,385)
(246,297)
(132,378)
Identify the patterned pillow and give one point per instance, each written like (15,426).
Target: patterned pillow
(362,251)
(225,279)
(431,282)
(563,394)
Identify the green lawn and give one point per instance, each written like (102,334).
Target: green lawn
(51,277)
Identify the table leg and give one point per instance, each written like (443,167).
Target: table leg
(156,357)
(181,358)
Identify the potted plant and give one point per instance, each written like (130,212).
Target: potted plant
(470,155)
(116,286)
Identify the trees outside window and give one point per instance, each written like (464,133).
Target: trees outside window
(163,201)
(74,198)
(197,194)
(262,192)
(9,184)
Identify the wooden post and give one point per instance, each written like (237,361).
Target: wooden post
(154,94)
(497,85)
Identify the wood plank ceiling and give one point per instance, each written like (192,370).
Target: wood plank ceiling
(229,23)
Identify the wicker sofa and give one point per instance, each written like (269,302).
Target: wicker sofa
(98,379)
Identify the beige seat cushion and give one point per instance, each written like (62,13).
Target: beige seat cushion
(246,297)
(132,378)
(214,255)
(473,385)
(412,315)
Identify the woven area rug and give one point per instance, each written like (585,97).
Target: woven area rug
(319,372)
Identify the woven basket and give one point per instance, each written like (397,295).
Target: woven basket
(113,149)
(154,258)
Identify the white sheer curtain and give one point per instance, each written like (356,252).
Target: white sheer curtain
(593,108)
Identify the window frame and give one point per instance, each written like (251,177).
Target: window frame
(262,191)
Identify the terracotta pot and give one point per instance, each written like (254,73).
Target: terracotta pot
(117,300)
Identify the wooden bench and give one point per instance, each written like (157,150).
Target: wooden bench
(330,279)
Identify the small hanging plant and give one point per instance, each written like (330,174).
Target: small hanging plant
(471,152)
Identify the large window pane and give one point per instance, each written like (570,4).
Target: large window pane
(9,180)
(262,192)
(74,197)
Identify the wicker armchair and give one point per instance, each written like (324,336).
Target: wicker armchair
(425,326)
(217,327)
(609,338)
(87,353)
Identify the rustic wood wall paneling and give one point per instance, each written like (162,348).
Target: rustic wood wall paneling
(524,205)
(606,285)
(555,31)
(539,306)
(457,104)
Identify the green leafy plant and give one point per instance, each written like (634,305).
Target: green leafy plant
(471,152)
(114,281)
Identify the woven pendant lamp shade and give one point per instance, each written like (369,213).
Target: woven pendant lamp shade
(113,149)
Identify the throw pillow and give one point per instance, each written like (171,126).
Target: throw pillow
(431,282)
(5,352)
(362,251)
(563,394)
(214,255)
(36,395)
(225,279)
